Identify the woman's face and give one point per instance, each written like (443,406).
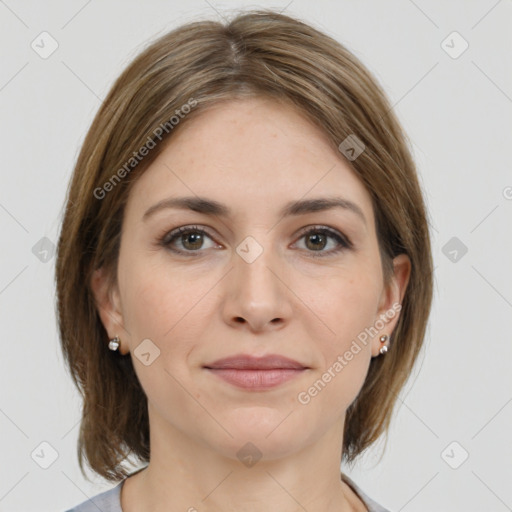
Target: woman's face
(250,276)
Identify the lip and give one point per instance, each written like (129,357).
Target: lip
(256,373)
(248,362)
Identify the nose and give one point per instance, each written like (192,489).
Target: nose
(256,296)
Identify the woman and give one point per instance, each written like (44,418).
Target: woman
(246,233)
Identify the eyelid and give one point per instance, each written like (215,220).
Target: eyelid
(344,243)
(168,236)
(330,231)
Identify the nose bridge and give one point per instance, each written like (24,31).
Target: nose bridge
(254,259)
(255,293)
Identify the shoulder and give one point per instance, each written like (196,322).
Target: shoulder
(107,501)
(372,505)
(110,501)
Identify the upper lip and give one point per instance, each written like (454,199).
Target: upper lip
(248,362)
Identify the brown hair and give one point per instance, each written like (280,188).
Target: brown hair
(259,53)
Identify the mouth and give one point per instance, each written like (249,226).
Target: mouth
(256,373)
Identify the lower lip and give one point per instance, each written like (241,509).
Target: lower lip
(256,380)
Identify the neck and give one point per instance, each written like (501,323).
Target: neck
(186,475)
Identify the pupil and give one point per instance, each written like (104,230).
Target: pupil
(317,237)
(192,236)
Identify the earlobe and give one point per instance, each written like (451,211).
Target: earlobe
(391,304)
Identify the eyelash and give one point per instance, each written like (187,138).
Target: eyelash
(343,242)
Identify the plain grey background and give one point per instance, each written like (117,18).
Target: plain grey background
(456,107)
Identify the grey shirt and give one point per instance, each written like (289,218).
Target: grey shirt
(110,501)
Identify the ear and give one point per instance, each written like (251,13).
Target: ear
(108,305)
(391,301)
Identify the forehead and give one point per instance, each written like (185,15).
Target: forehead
(252,154)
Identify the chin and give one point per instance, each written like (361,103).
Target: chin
(261,432)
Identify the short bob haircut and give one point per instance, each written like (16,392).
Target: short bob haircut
(258,53)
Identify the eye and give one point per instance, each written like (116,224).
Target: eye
(190,238)
(317,238)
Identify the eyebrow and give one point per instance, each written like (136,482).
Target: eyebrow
(214,208)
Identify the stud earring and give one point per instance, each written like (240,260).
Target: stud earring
(384,348)
(113,344)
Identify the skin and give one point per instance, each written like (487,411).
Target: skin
(254,155)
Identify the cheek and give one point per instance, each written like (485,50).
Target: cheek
(163,304)
(157,306)
(150,303)
(346,304)
(348,308)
